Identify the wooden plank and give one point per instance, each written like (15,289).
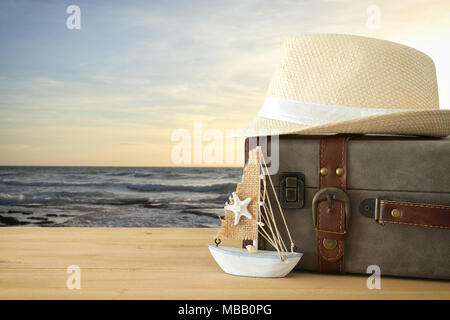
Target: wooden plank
(160,263)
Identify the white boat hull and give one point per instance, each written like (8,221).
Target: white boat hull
(265,264)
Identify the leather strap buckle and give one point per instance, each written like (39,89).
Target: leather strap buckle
(329,194)
(406,213)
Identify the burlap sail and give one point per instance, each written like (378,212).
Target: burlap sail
(246,229)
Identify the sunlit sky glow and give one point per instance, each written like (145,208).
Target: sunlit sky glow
(113,92)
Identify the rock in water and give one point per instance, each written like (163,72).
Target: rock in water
(10,221)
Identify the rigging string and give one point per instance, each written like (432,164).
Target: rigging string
(264,220)
(267,223)
(278,202)
(268,208)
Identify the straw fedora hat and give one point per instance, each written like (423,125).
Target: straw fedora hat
(332,83)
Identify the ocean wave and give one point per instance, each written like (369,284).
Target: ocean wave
(6,198)
(168,175)
(179,200)
(7,174)
(52,184)
(120,174)
(219,187)
(64,198)
(143,175)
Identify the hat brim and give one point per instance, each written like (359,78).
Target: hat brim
(435,123)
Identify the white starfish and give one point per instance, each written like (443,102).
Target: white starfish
(239,208)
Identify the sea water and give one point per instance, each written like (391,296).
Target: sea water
(115,196)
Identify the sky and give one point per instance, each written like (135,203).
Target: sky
(113,92)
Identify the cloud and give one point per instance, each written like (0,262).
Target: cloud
(138,70)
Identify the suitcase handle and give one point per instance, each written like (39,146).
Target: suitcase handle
(406,213)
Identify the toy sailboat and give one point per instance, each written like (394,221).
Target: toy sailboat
(248,214)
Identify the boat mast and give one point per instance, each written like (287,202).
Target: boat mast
(259,202)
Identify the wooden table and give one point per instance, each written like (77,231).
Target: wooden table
(147,263)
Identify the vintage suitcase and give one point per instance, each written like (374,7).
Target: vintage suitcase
(355,201)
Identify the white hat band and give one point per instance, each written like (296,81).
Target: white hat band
(310,114)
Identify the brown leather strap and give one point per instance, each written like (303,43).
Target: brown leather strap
(330,235)
(414,214)
(330,221)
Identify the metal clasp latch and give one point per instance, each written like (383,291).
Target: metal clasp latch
(292,189)
(331,193)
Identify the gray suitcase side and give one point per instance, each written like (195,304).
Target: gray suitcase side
(415,170)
